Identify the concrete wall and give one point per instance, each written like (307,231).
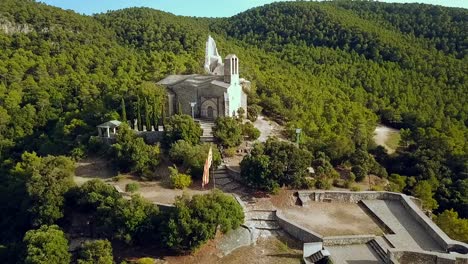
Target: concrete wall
(408,203)
(300,233)
(423,257)
(347,240)
(345,196)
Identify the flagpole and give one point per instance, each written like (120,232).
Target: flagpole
(212,172)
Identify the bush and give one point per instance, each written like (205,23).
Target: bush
(273,164)
(193,157)
(377,188)
(253,111)
(360,173)
(228,132)
(355,188)
(131,153)
(47,244)
(230,152)
(340,183)
(179,180)
(99,251)
(132,187)
(145,261)
(323,184)
(182,127)
(249,131)
(194,221)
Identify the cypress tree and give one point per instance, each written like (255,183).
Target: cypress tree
(162,115)
(155,114)
(139,119)
(124,111)
(147,116)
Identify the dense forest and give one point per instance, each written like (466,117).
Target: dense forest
(334,69)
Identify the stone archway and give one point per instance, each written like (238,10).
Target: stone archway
(209,110)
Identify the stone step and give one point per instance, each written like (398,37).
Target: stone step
(316,257)
(263,224)
(231,186)
(377,247)
(260,215)
(221,176)
(222,181)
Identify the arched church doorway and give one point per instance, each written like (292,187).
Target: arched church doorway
(209,109)
(210,112)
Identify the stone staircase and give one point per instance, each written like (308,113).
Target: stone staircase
(207,127)
(262,220)
(318,256)
(380,246)
(224,182)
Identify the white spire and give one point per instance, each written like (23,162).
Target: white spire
(213,61)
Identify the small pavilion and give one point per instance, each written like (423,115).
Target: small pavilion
(108,129)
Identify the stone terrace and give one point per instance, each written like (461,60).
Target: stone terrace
(408,233)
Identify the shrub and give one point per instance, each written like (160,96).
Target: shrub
(132,187)
(179,180)
(194,221)
(273,164)
(182,127)
(131,153)
(323,184)
(253,111)
(99,251)
(230,152)
(377,188)
(228,132)
(340,183)
(251,132)
(145,261)
(47,244)
(355,188)
(360,173)
(193,156)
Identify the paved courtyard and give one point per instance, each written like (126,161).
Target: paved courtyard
(353,254)
(333,219)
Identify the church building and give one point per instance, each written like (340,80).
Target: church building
(220,92)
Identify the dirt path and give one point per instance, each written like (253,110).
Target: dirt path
(383,135)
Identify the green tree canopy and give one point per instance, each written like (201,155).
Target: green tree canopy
(275,163)
(47,180)
(182,127)
(46,245)
(228,131)
(96,252)
(196,220)
(131,153)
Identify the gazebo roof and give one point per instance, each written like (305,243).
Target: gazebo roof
(110,124)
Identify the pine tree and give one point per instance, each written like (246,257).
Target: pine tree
(124,111)
(147,116)
(139,119)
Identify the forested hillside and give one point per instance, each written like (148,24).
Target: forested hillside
(334,69)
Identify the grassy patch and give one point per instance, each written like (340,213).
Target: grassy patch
(393,140)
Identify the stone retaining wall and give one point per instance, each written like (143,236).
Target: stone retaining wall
(347,240)
(300,233)
(151,137)
(234,174)
(424,257)
(408,203)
